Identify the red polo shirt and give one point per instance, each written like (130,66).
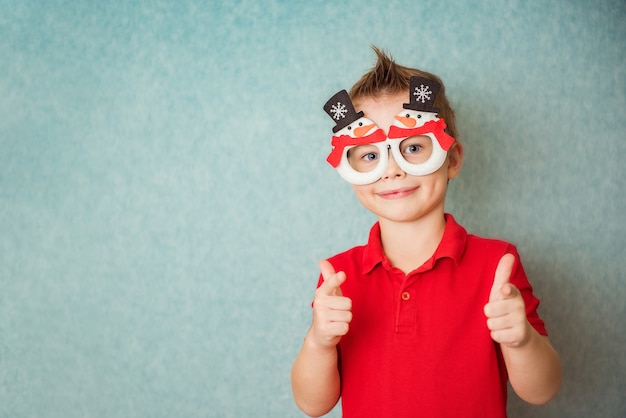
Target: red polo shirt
(418,344)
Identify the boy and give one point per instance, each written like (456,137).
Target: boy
(424,320)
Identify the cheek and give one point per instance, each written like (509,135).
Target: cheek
(363,194)
(358,191)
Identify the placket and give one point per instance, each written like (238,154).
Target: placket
(405,302)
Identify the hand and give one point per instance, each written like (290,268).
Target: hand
(506,311)
(331,310)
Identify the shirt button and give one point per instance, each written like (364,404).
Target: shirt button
(406,296)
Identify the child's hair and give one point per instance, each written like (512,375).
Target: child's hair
(389,78)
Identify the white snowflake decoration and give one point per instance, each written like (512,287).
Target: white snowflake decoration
(422,93)
(339,111)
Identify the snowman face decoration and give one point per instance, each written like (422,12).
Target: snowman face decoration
(361,150)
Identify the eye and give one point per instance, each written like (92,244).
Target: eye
(412,149)
(419,116)
(349,128)
(360,123)
(416,149)
(364,158)
(407,115)
(372,156)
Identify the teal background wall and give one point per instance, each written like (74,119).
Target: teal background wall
(164,196)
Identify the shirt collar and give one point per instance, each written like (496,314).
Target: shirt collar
(452,246)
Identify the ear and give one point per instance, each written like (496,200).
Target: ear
(455,159)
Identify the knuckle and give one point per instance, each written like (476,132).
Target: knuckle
(349,316)
(320,300)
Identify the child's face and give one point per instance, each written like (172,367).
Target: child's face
(399,196)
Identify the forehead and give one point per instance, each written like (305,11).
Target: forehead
(381,110)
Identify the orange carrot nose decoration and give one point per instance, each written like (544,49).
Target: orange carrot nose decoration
(407,121)
(363,130)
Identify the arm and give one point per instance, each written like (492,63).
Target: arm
(534,368)
(532,363)
(315,379)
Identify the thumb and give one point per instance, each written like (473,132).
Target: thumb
(502,276)
(332,280)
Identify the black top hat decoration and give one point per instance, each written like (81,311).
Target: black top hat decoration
(340,109)
(422,94)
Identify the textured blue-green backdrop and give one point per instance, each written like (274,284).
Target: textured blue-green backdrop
(164,196)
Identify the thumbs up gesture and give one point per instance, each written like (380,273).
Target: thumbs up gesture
(331,310)
(506,311)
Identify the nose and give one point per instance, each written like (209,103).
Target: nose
(406,121)
(393,170)
(362,130)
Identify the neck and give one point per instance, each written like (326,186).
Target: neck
(408,245)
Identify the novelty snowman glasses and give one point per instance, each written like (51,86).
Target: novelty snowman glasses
(366,162)
(416,139)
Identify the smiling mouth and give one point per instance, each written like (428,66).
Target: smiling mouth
(398,193)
